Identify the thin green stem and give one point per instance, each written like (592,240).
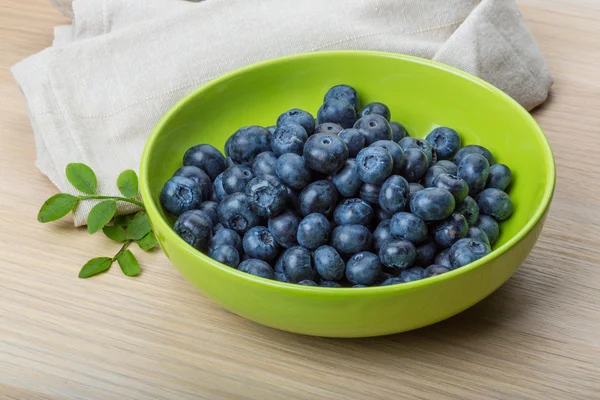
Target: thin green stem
(132,201)
(123,248)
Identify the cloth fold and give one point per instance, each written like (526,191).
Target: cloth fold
(96,94)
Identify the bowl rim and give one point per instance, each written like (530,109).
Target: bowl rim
(161,224)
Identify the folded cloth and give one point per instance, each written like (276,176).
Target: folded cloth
(97,93)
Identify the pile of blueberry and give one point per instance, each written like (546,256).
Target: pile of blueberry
(347,200)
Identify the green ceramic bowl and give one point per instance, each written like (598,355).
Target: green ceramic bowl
(422,95)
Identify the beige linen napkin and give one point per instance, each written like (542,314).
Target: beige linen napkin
(97,93)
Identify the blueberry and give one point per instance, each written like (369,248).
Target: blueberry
(234,179)
(399,132)
(376,108)
(381,215)
(267,196)
(313,231)
(382,234)
(391,281)
(466,251)
(448,165)
(374,165)
(343,92)
(278,270)
(235,213)
(353,139)
(477,234)
(397,255)
(247,143)
(431,175)
(259,243)
(180,195)
(346,181)
(423,145)
(307,282)
(473,149)
(489,226)
(257,268)
(194,227)
(288,138)
(426,252)
(218,189)
(296,265)
(205,157)
(293,171)
(413,188)
(284,228)
(415,165)
(337,111)
(413,274)
(227,255)
(474,169)
(435,269)
(393,196)
(495,203)
(328,127)
(432,204)
(265,164)
(325,153)
(445,141)
(353,211)
(351,239)
(407,226)
(374,127)
(320,197)
(395,151)
(226,237)
(452,183)
(198,176)
(300,117)
(363,268)
(451,230)
(330,284)
(270,128)
(210,208)
(370,193)
(500,177)
(443,258)
(329,264)
(469,209)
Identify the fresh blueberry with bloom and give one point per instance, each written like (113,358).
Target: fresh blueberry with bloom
(376,108)
(495,203)
(395,151)
(499,178)
(363,268)
(227,255)
(374,127)
(477,234)
(284,228)
(200,177)
(296,265)
(351,239)
(346,181)
(329,263)
(397,255)
(259,243)
(466,251)
(381,234)
(423,145)
(256,267)
(469,209)
(320,197)
(445,141)
(234,179)
(353,211)
(353,139)
(194,227)
(473,149)
(180,194)
(267,196)
(226,237)
(337,111)
(345,93)
(288,138)
(399,132)
(448,165)
(413,274)
(432,204)
(293,171)
(313,231)
(393,196)
(451,230)
(328,127)
(235,213)
(374,165)
(207,158)
(300,117)
(218,189)
(247,143)
(415,164)
(474,169)
(431,175)
(452,183)
(489,226)
(265,163)
(325,153)
(407,226)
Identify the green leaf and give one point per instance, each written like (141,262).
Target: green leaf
(57,207)
(128,263)
(95,266)
(127,182)
(115,233)
(148,242)
(122,220)
(82,177)
(101,215)
(138,227)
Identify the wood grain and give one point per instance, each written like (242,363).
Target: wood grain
(538,337)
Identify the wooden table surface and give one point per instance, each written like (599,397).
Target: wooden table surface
(537,337)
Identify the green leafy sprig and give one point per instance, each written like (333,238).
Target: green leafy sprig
(123,229)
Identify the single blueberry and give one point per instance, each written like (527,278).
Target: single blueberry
(395,151)
(247,143)
(320,197)
(284,228)
(313,231)
(469,209)
(490,227)
(265,164)
(413,188)
(443,258)
(194,228)
(346,181)
(300,117)
(374,127)
(234,179)
(353,139)
(393,280)
(329,263)
(226,237)
(351,239)
(409,227)
(198,176)
(210,208)
(180,195)
(399,132)
(451,230)
(466,251)
(435,269)
(363,268)
(307,282)
(328,127)
(370,193)
(293,171)
(415,165)
(445,141)
(235,213)
(423,145)
(353,211)
(448,165)
(477,234)
(432,204)
(452,183)
(374,165)
(393,196)
(259,243)
(330,284)
(499,178)
(378,109)
(397,255)
(207,158)
(337,111)
(431,175)
(218,189)
(413,274)
(495,203)
(474,169)
(267,196)
(325,153)
(382,234)
(227,255)
(257,268)
(343,92)
(297,266)
(473,149)
(288,138)
(426,252)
